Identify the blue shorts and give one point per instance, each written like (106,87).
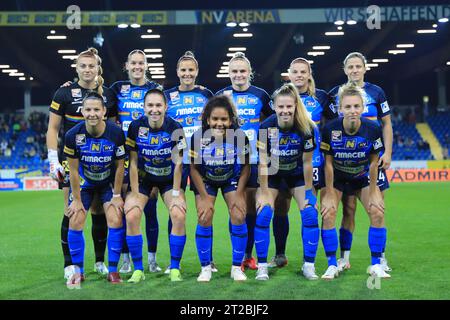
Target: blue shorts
(350,187)
(146,185)
(286,182)
(319,177)
(382,180)
(87,195)
(253,181)
(213,189)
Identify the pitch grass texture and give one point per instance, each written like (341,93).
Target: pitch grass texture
(417,218)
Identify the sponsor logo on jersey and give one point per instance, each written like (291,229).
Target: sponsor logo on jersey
(350,155)
(377,144)
(324,146)
(189,121)
(107,147)
(95,168)
(284,141)
(137,94)
(187,100)
(174,96)
(125,88)
(136,115)
(165,139)
(246,112)
(219,152)
(96,146)
(55,105)
(143,132)
(284,153)
(200,100)
(154,140)
(336,135)
(160,152)
(96,159)
(181,144)
(133,105)
(80,139)
(125,125)
(350,144)
(308,144)
(120,151)
(385,107)
(252,100)
(362,145)
(272,133)
(185,111)
(241,100)
(158,161)
(76,93)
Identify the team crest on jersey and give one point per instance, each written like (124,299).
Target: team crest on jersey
(272,133)
(241,121)
(80,139)
(174,96)
(125,88)
(308,144)
(136,115)
(76,93)
(143,132)
(336,135)
(137,94)
(377,144)
(120,151)
(189,121)
(252,100)
(385,107)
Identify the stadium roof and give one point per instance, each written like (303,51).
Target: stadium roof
(406,77)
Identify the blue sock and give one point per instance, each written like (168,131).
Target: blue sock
(345,239)
(250,219)
(203,239)
(384,244)
(176,250)
(151,225)
(262,233)
(330,245)
(280,232)
(377,237)
(115,241)
(238,242)
(310,225)
(124,235)
(135,244)
(212,239)
(76,247)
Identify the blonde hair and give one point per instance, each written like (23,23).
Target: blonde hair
(93,53)
(302,121)
(350,89)
(355,55)
(188,55)
(139,51)
(241,56)
(311,83)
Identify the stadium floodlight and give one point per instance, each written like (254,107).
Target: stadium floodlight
(321,47)
(135,25)
(243,35)
(70,57)
(73,65)
(4,66)
(334,33)
(380,60)
(9,70)
(405,45)
(222,75)
(150,36)
(351,22)
(154,56)
(426,31)
(245,29)
(22,78)
(339,28)
(435,25)
(158,76)
(315,53)
(56,37)
(230,54)
(152,50)
(371,65)
(149,30)
(156,64)
(17,74)
(67,51)
(285,74)
(52,31)
(237,49)
(223,71)
(122,26)
(157,72)
(156,68)
(448,63)
(31,78)
(443,20)
(243,24)
(310,61)
(396,51)
(339,22)
(231,24)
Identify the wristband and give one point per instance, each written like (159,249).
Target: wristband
(175,193)
(116,195)
(52,155)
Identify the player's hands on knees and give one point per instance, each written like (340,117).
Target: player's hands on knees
(239,203)
(263,198)
(178,201)
(118,203)
(328,204)
(205,206)
(375,200)
(384,161)
(75,207)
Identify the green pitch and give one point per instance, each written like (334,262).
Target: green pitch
(417,218)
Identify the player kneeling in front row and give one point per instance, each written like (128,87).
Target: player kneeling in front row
(288,147)
(352,145)
(156,144)
(95,150)
(220,160)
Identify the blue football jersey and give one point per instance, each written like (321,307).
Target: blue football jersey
(250,105)
(154,147)
(287,146)
(351,152)
(97,155)
(130,101)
